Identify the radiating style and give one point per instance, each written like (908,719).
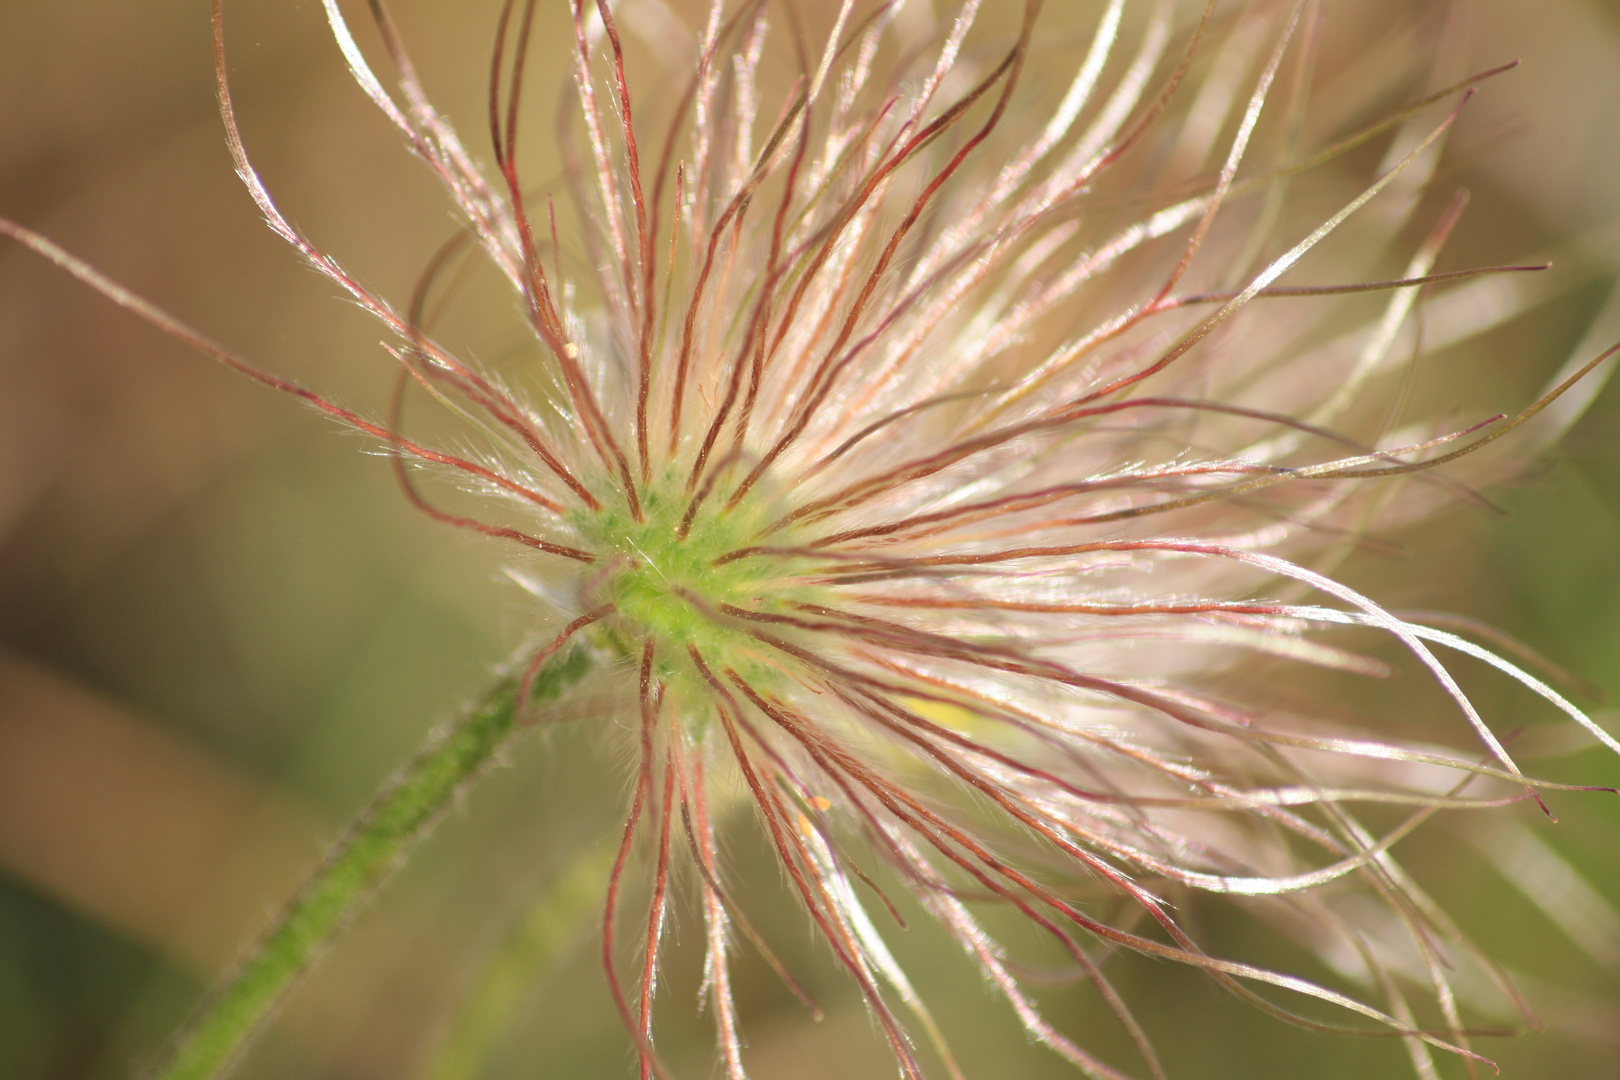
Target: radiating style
(921,424)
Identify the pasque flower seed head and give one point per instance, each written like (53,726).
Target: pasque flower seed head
(923,441)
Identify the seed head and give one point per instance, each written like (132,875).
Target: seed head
(925,460)
(928,445)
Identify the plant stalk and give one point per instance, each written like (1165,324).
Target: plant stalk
(373,847)
(547,932)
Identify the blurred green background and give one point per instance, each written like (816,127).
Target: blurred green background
(221,628)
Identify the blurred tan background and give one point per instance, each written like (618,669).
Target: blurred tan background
(220,627)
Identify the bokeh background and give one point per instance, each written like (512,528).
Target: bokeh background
(221,628)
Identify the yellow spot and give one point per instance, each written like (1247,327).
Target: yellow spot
(805,827)
(955,717)
(819,803)
(571,351)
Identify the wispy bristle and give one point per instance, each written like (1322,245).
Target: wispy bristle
(927,448)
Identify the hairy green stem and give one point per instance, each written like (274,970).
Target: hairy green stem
(400,817)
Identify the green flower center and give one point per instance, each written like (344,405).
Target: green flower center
(674,587)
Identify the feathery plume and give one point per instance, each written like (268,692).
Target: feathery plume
(923,448)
